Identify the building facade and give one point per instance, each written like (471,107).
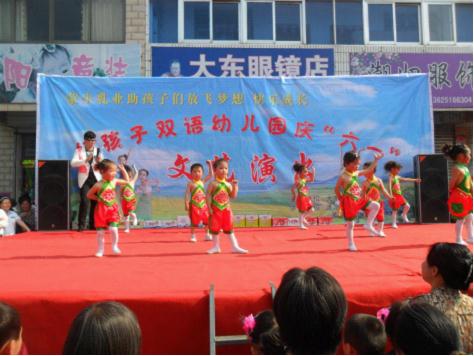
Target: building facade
(238,37)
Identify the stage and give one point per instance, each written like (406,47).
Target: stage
(164,278)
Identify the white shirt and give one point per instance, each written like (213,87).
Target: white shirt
(79,160)
(11,225)
(3,221)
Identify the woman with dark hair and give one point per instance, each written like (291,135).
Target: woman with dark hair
(104,329)
(448,269)
(310,308)
(27,212)
(422,329)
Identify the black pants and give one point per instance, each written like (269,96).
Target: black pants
(86,205)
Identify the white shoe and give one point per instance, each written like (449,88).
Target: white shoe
(213,250)
(302,227)
(370,229)
(238,249)
(405,219)
(126,231)
(116,250)
(382,234)
(352,247)
(193,238)
(394,226)
(208,237)
(235,245)
(99,254)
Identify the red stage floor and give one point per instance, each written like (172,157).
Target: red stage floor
(164,278)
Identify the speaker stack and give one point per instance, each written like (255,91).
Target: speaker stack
(432,193)
(53,195)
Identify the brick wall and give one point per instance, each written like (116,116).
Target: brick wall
(7,160)
(136,25)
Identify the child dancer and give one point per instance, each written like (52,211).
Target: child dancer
(127,195)
(373,189)
(195,198)
(219,193)
(106,212)
(398,200)
(460,188)
(303,200)
(351,199)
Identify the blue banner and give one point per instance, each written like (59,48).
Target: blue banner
(261,125)
(241,62)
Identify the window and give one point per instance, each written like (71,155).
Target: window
(319,22)
(164,21)
(7,22)
(108,18)
(464,22)
(408,22)
(225,21)
(62,20)
(349,27)
(287,21)
(440,22)
(35,25)
(68,26)
(260,21)
(381,22)
(196,20)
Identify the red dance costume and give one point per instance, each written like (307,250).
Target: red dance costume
(106,211)
(221,217)
(129,200)
(460,198)
(198,211)
(398,200)
(303,201)
(374,193)
(352,200)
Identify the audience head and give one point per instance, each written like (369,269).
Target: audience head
(104,329)
(310,309)
(364,335)
(422,329)
(264,334)
(25,203)
(448,264)
(6,203)
(10,330)
(392,317)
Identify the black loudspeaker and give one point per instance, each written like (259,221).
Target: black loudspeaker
(432,193)
(53,195)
